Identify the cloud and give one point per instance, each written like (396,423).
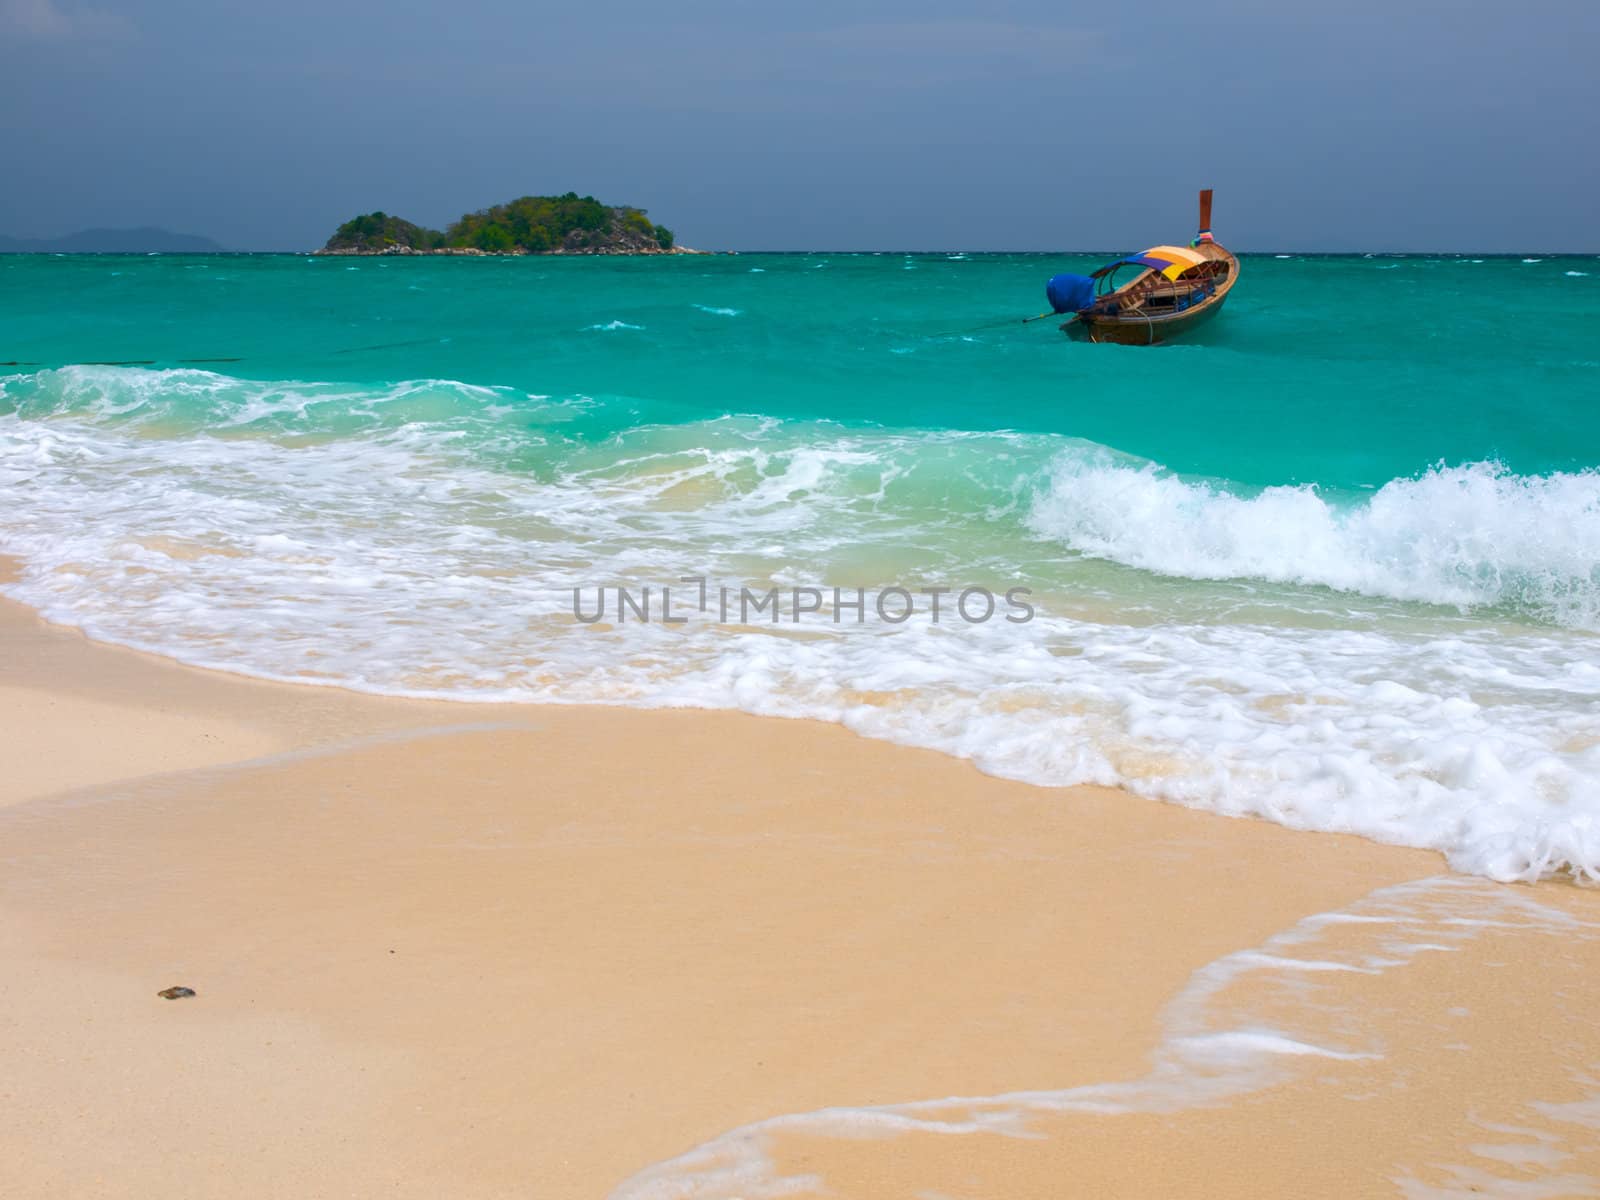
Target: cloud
(47,20)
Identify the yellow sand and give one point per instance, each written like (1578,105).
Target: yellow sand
(478,951)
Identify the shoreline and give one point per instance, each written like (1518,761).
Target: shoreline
(479,949)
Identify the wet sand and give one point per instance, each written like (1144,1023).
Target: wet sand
(485,951)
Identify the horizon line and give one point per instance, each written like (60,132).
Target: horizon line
(696,252)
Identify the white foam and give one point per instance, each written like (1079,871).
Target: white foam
(394,540)
(612,326)
(1473,535)
(719,312)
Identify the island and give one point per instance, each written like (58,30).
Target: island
(114,241)
(569,224)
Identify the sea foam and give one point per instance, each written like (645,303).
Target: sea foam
(425,538)
(1471,535)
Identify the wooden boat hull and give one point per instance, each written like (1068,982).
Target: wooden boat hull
(1178,289)
(1138,329)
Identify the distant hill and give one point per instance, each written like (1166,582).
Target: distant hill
(113,241)
(569,224)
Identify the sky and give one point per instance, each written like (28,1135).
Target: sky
(1359,125)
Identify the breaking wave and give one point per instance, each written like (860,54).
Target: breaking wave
(425,538)
(1467,536)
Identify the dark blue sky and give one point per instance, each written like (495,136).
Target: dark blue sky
(1364,124)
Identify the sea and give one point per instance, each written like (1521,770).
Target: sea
(1333,562)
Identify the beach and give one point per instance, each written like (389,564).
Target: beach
(501,950)
(1025,671)
(696,728)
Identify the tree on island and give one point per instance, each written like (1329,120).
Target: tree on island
(376,232)
(569,224)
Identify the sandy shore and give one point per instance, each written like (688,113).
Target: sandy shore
(485,951)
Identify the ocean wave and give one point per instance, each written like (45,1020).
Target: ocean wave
(1467,536)
(426,538)
(186,401)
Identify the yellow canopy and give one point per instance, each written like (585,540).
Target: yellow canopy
(1181,258)
(1171,261)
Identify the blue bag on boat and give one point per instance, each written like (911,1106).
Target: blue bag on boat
(1069,293)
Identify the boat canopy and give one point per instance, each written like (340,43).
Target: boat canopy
(1170,261)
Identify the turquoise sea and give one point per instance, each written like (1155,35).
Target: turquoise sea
(1335,562)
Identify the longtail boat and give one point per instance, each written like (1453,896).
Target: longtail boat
(1164,292)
